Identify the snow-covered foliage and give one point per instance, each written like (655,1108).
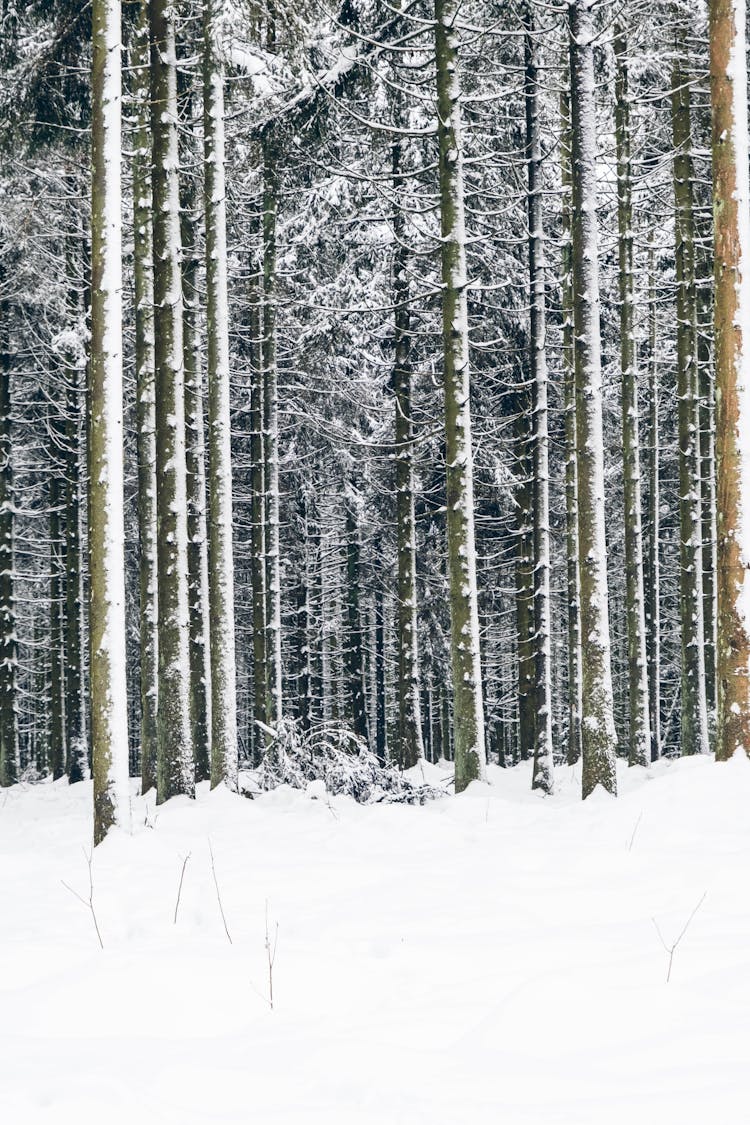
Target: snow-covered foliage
(343,762)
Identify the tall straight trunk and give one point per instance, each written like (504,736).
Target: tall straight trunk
(543,773)
(305,625)
(707,453)
(639,747)
(574,701)
(57,726)
(175,769)
(355,664)
(381,747)
(524,579)
(599,739)
(8,641)
(410,745)
(468,716)
(271,435)
(731,319)
(653,601)
(694,713)
(195,461)
(109,719)
(75,715)
(143,277)
(221,559)
(258,509)
(315,614)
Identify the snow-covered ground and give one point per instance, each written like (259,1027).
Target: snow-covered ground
(487,958)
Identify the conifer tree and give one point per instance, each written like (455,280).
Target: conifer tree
(468,713)
(599,739)
(109,721)
(175,769)
(731,319)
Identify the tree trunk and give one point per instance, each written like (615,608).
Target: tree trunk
(410,745)
(524,578)
(257,510)
(109,719)
(653,601)
(468,717)
(707,453)
(639,748)
(599,739)
(195,460)
(731,320)
(143,276)
(57,743)
(8,641)
(271,437)
(575,702)
(381,747)
(543,773)
(77,749)
(694,714)
(175,769)
(221,559)
(355,664)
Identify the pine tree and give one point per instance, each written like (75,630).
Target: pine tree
(543,774)
(145,393)
(221,563)
(175,771)
(195,453)
(599,739)
(8,640)
(410,748)
(109,722)
(694,712)
(731,318)
(639,750)
(468,714)
(575,703)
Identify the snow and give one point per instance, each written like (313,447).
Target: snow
(488,957)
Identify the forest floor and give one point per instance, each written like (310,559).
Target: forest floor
(487,958)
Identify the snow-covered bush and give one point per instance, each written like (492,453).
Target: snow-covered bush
(341,760)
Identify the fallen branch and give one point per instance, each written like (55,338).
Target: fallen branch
(89,902)
(271,955)
(670,949)
(179,888)
(218,893)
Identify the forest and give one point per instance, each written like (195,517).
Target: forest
(371,380)
(374,539)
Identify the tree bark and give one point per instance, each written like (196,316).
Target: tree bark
(410,745)
(574,702)
(271,438)
(175,768)
(639,748)
(731,319)
(468,717)
(355,664)
(653,600)
(8,641)
(109,720)
(693,710)
(543,772)
(599,739)
(143,276)
(195,457)
(221,559)
(77,767)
